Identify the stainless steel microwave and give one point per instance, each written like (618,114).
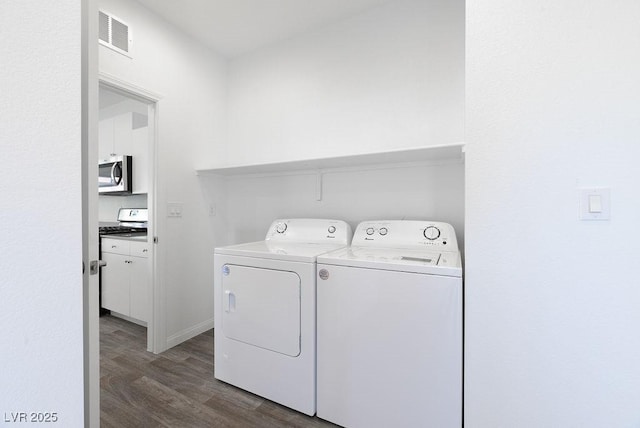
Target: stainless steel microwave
(114,175)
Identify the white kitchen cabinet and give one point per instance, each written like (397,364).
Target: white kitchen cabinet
(115,280)
(139,295)
(105,138)
(122,127)
(125,279)
(139,152)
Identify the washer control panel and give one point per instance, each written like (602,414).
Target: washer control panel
(310,231)
(406,234)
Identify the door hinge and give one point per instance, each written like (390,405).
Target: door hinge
(155,239)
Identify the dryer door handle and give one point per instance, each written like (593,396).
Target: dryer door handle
(229,301)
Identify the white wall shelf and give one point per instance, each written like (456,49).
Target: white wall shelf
(453,153)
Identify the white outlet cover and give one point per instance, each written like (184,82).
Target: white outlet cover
(595,203)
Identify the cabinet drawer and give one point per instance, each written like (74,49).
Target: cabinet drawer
(115,246)
(139,249)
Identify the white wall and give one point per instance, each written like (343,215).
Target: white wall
(41,292)
(552,319)
(389,78)
(434,192)
(191,81)
(108,206)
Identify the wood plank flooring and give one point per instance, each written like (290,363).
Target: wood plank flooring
(177,387)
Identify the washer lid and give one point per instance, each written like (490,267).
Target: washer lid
(396,259)
(287,251)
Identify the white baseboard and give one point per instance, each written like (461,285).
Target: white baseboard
(128,318)
(187,334)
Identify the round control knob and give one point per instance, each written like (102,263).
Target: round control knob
(281,227)
(431,233)
(332,229)
(370,231)
(383,231)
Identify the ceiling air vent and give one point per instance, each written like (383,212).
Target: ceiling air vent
(114,34)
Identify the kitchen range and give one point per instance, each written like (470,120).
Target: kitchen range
(131,222)
(123,279)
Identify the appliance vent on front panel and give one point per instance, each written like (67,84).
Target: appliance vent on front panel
(114,34)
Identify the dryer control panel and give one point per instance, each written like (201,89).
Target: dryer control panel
(406,234)
(308,230)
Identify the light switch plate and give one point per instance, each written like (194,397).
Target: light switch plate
(174,209)
(595,203)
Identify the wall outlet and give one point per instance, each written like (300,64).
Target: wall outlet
(174,209)
(212,210)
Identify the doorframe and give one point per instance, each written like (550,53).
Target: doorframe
(156,328)
(89,167)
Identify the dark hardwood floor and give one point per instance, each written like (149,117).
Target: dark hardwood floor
(177,387)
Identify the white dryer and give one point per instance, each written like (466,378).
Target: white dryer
(265,310)
(390,328)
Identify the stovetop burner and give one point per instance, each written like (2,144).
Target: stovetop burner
(119,230)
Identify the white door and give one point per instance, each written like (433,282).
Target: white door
(261,307)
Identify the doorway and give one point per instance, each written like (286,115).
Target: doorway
(127,127)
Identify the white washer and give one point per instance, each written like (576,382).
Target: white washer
(265,310)
(390,328)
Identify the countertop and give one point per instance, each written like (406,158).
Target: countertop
(139,237)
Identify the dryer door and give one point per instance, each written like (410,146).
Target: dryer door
(261,307)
